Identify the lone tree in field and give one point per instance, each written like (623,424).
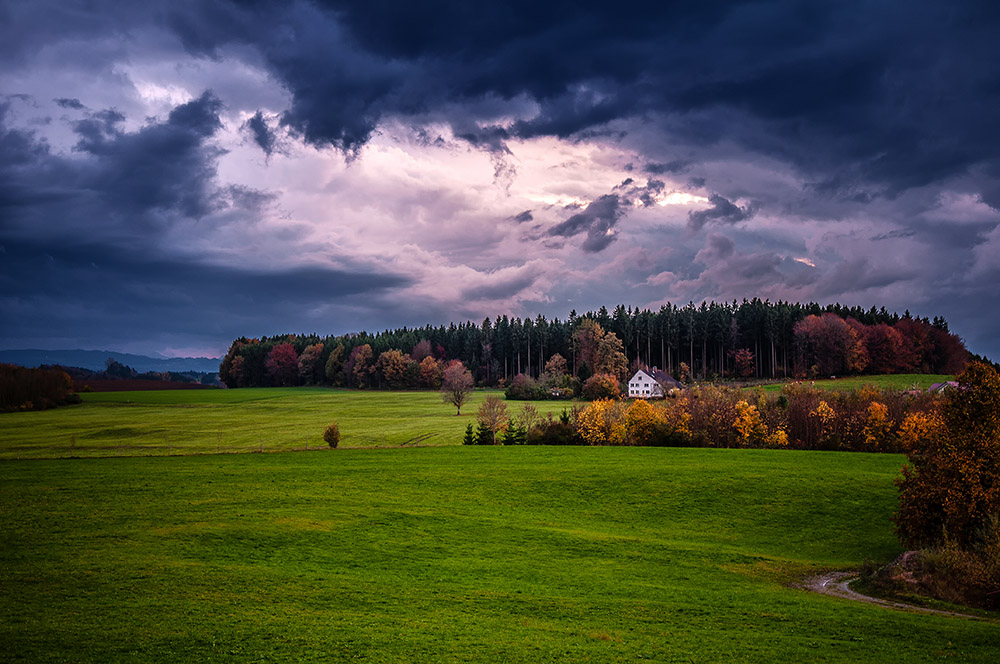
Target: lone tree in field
(332,435)
(493,415)
(456,385)
(952,488)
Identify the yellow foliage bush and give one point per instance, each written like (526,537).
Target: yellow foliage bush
(918,427)
(777,439)
(643,423)
(749,424)
(602,423)
(878,426)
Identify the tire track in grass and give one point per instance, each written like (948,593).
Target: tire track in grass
(837,584)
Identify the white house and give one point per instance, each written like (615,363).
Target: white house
(650,385)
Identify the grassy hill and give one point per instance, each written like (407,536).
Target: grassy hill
(204,421)
(455,554)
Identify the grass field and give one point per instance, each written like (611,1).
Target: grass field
(455,554)
(269,419)
(887,382)
(204,421)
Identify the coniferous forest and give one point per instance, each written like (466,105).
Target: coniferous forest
(748,339)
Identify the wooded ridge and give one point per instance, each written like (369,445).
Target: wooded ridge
(753,338)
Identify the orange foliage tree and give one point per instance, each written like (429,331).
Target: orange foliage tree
(951,489)
(601,386)
(392,367)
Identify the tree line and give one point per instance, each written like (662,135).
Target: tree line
(34,389)
(749,339)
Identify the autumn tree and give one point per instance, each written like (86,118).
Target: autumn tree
(952,486)
(358,365)
(456,385)
(236,372)
(392,366)
(492,415)
(610,357)
(601,386)
(602,422)
(283,364)
(888,351)
(586,338)
(421,350)
(643,423)
(743,359)
(555,370)
(226,366)
(430,372)
(309,363)
(830,345)
(335,364)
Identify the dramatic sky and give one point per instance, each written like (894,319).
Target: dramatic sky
(175,174)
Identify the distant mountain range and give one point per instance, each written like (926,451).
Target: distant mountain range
(95,360)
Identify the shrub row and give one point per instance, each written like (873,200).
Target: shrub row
(801,417)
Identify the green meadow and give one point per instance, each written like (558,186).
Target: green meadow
(271,419)
(883,382)
(455,554)
(244,420)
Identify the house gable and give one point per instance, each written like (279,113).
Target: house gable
(642,385)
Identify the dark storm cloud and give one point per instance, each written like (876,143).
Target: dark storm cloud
(524,217)
(128,180)
(869,103)
(137,293)
(723,211)
(882,96)
(123,191)
(845,93)
(599,218)
(261,134)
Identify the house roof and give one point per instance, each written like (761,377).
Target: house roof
(661,377)
(665,379)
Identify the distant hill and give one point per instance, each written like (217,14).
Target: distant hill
(95,360)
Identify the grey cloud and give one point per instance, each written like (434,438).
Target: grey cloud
(597,220)
(675,166)
(524,217)
(860,275)
(600,217)
(717,247)
(500,287)
(723,210)
(261,133)
(70,103)
(890,235)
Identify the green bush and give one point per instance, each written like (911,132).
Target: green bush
(553,433)
(332,435)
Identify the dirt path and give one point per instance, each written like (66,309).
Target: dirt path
(837,585)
